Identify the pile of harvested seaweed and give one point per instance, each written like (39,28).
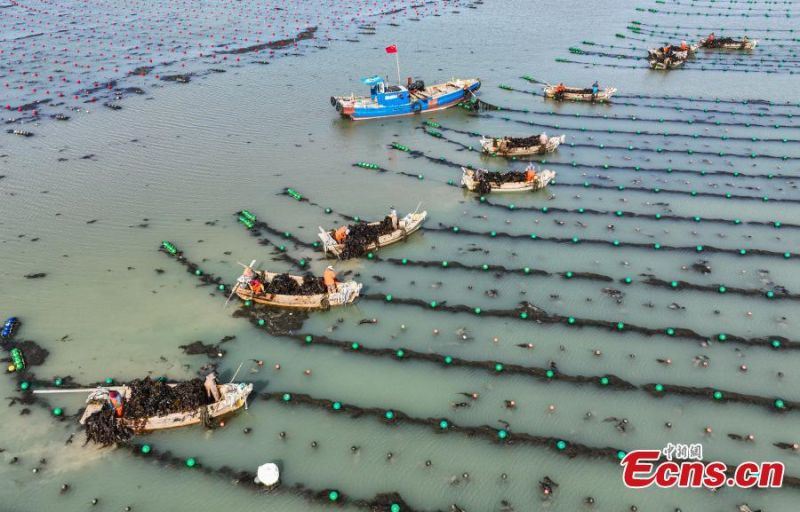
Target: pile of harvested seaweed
(523,142)
(283,284)
(105,429)
(362,234)
(157,398)
(498,178)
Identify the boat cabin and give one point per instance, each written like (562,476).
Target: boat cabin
(385,94)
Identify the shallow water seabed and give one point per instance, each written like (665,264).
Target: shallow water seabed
(234,140)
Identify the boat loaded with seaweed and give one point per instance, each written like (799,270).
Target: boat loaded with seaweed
(357,239)
(578,94)
(728,43)
(521,146)
(387,100)
(484,182)
(290,291)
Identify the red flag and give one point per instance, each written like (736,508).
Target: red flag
(391,49)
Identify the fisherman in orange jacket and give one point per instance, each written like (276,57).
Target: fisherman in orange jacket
(341,234)
(530,174)
(329,278)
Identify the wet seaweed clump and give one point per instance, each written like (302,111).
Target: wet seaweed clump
(105,429)
(284,284)
(522,142)
(487,178)
(157,398)
(361,235)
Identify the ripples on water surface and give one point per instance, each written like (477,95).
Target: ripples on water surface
(88,201)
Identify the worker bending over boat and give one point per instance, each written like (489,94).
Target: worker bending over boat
(329,278)
(211,386)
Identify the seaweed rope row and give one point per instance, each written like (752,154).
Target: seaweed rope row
(591,211)
(637,168)
(717,29)
(677,108)
(633,117)
(787,55)
(652,10)
(790,49)
(731,61)
(620,188)
(502,436)
(402,355)
(696,35)
(776,292)
(574,163)
(586,184)
(690,68)
(528,311)
(693,99)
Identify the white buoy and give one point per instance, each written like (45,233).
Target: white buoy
(268,474)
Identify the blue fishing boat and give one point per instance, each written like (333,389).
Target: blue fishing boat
(387,100)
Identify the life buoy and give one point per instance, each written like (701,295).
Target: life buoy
(416,107)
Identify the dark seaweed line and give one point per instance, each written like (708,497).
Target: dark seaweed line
(575,164)
(246,479)
(604,117)
(637,133)
(761,101)
(750,64)
(653,120)
(619,188)
(456,230)
(401,355)
(527,312)
(699,68)
(627,213)
(778,293)
(659,150)
(443,425)
(680,109)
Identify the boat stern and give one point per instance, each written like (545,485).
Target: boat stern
(346,293)
(346,106)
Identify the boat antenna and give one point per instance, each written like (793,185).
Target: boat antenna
(236,373)
(418,206)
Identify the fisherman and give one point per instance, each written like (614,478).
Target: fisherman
(329,278)
(211,386)
(684,46)
(560,90)
(530,174)
(341,234)
(255,285)
(393,216)
(116,402)
(595,90)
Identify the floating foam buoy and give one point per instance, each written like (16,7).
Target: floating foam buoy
(268,475)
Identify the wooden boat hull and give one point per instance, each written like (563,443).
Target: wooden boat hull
(234,397)
(661,65)
(346,293)
(576,94)
(408,225)
(431,99)
(543,179)
(494,146)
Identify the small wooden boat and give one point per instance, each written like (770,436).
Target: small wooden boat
(396,100)
(346,293)
(666,64)
(518,146)
(483,181)
(658,54)
(233,397)
(407,225)
(727,43)
(580,94)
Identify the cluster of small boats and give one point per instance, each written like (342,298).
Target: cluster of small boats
(674,56)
